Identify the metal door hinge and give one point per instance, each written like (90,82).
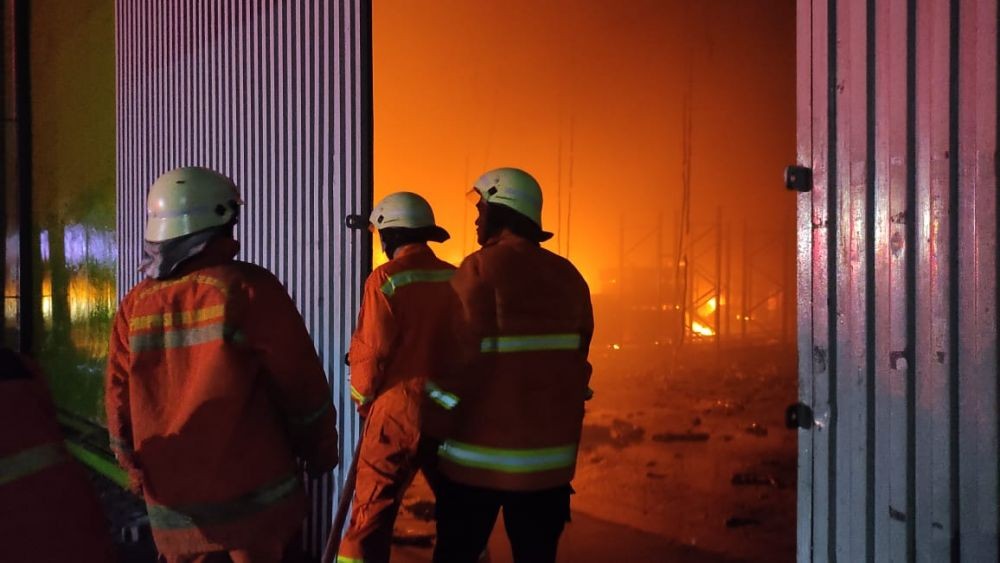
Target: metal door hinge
(356,222)
(799,178)
(799,415)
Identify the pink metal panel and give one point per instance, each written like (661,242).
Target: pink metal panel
(804,259)
(892,218)
(897,279)
(849,422)
(820,222)
(932,347)
(977,261)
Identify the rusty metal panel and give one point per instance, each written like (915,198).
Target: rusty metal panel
(897,280)
(278,96)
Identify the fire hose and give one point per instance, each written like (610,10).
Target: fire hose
(346,494)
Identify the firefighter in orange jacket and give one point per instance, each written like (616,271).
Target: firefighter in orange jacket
(400,340)
(517,398)
(213,386)
(48,509)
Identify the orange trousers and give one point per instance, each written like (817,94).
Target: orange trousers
(390,456)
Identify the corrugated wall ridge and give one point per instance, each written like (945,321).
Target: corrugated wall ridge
(277,95)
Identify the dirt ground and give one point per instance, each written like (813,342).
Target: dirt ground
(681,460)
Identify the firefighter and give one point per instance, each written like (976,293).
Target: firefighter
(401,338)
(48,509)
(515,402)
(213,385)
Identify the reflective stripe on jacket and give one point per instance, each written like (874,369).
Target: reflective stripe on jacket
(48,508)
(213,389)
(515,403)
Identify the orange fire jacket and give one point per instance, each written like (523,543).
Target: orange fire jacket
(213,389)
(48,509)
(515,401)
(402,328)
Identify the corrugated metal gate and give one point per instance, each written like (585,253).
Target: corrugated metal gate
(897,117)
(278,96)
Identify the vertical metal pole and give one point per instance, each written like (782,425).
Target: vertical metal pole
(6,11)
(787,281)
(658,334)
(22,112)
(689,304)
(718,280)
(746,282)
(728,265)
(621,279)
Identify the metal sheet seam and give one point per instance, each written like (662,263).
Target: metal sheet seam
(832,237)
(911,276)
(955,329)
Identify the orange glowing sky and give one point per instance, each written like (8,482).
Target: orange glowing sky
(462,86)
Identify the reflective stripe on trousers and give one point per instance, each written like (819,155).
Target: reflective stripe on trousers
(530,343)
(508,460)
(30,461)
(447,400)
(192,516)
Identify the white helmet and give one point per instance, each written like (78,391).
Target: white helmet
(188,200)
(513,188)
(406,210)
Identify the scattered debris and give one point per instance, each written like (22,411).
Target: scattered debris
(740,522)
(725,407)
(625,433)
(754,479)
(757,430)
(681,437)
(422,510)
(619,434)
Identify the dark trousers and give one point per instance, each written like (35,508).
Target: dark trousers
(534,520)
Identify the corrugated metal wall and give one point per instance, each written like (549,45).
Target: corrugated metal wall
(277,95)
(897,116)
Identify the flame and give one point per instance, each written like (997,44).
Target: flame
(701,330)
